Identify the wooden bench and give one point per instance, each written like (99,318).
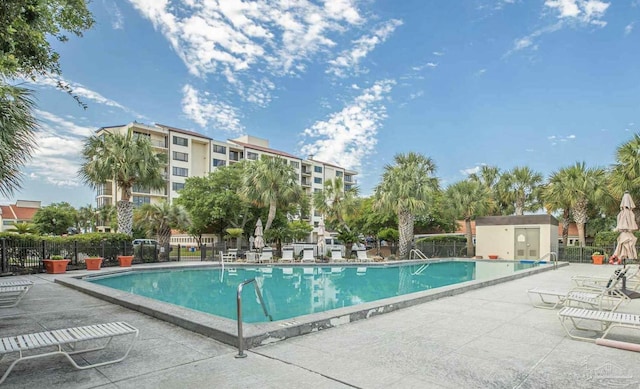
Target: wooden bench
(70,337)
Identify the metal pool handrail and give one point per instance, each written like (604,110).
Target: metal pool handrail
(415,253)
(241,353)
(553,256)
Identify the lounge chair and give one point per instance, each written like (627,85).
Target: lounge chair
(227,257)
(608,297)
(606,320)
(287,255)
(266,256)
(10,296)
(632,283)
(251,257)
(42,342)
(361,255)
(336,256)
(19,282)
(307,256)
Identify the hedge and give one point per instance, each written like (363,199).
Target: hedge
(443,238)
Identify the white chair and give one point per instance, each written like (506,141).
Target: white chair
(43,341)
(287,255)
(361,255)
(607,297)
(266,256)
(307,256)
(10,296)
(336,255)
(606,320)
(632,282)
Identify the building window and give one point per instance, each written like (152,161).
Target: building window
(316,190)
(7,222)
(180,171)
(177,186)
(219,149)
(338,174)
(140,189)
(180,141)
(317,169)
(140,200)
(295,164)
(252,156)
(178,156)
(317,180)
(219,162)
(234,155)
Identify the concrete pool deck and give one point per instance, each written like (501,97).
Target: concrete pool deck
(489,337)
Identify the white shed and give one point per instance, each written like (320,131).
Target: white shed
(516,237)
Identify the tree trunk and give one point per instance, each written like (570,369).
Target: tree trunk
(405,224)
(164,237)
(580,217)
(271,215)
(565,227)
(470,249)
(125,216)
(519,207)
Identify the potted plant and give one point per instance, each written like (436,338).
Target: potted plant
(56,264)
(93,263)
(597,257)
(125,260)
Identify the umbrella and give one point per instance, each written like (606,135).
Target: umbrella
(258,242)
(321,238)
(626,223)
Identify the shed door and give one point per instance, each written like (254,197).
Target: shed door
(527,243)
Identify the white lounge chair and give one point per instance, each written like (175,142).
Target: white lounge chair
(606,320)
(632,283)
(266,256)
(361,255)
(607,297)
(10,296)
(287,255)
(307,256)
(336,256)
(18,282)
(42,342)
(227,257)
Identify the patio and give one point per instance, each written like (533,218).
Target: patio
(491,337)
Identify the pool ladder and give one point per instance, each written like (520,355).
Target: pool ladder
(553,256)
(241,353)
(417,254)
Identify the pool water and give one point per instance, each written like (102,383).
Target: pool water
(295,291)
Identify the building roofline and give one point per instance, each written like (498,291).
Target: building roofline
(180,130)
(265,149)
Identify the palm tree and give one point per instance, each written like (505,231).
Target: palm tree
(405,190)
(17,135)
(159,219)
(582,185)
(556,196)
(105,214)
(489,177)
(23,228)
(625,175)
(271,182)
(334,202)
(520,187)
(126,159)
(87,216)
(469,199)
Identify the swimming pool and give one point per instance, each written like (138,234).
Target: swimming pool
(295,291)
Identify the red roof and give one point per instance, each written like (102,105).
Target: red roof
(573,229)
(462,229)
(13,212)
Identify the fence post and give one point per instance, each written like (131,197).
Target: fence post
(75,252)
(155,252)
(179,251)
(203,252)
(3,257)
(102,247)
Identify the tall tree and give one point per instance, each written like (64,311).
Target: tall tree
(26,52)
(489,177)
(582,185)
(271,182)
(159,219)
(625,175)
(469,199)
(126,159)
(55,218)
(556,197)
(520,187)
(335,203)
(405,189)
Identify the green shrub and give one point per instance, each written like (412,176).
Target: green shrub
(443,238)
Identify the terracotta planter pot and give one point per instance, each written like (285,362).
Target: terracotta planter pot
(56,266)
(93,263)
(597,259)
(125,260)
(493,257)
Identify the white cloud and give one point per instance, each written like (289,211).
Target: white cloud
(438,53)
(348,60)
(554,139)
(471,170)
(206,111)
(629,28)
(431,65)
(414,96)
(57,156)
(348,136)
(569,13)
(83,92)
(233,37)
(117,20)
(481,72)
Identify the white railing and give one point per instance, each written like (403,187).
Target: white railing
(553,257)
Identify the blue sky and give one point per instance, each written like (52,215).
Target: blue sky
(542,83)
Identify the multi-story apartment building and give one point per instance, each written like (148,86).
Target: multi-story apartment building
(191,154)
